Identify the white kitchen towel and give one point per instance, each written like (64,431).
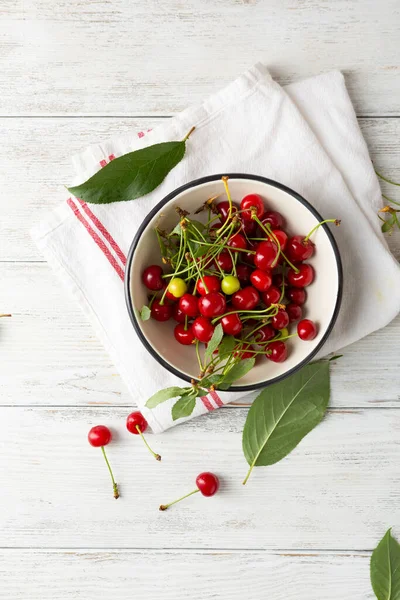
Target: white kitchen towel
(305,136)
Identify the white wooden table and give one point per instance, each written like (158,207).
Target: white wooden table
(72,73)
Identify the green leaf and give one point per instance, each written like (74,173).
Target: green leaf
(284,413)
(388,225)
(132,175)
(183,407)
(215,340)
(166,394)
(385,568)
(226,346)
(177,229)
(201,251)
(336,357)
(145,313)
(210,380)
(237,371)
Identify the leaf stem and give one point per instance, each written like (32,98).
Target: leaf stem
(188,134)
(248,473)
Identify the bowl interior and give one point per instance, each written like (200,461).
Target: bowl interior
(323,296)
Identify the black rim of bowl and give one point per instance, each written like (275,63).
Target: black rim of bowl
(191,184)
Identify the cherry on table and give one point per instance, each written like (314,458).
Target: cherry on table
(294,311)
(152,278)
(207,483)
(202,329)
(252,203)
(296,295)
(299,249)
(271,296)
(280,320)
(137,424)
(246,299)
(231,324)
(303,278)
(212,305)
(306,330)
(266,255)
(161,312)
(261,280)
(207,284)
(277,351)
(188,305)
(98,437)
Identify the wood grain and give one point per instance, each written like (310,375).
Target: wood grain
(148,58)
(340,489)
(220,575)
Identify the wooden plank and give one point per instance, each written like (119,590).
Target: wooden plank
(50,354)
(340,489)
(37,166)
(134,58)
(177,575)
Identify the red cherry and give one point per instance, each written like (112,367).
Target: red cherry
(202,329)
(280,320)
(99,435)
(207,483)
(274,219)
(248,257)
(271,296)
(252,201)
(298,249)
(231,324)
(296,295)
(304,277)
(266,255)
(281,237)
(223,210)
(212,305)
(225,261)
(307,330)
(246,299)
(248,227)
(264,334)
(237,241)
(177,314)
(161,312)
(261,280)
(277,351)
(188,304)
(294,311)
(211,282)
(137,424)
(184,336)
(171,297)
(152,278)
(243,273)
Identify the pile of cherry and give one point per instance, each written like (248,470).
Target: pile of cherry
(255,286)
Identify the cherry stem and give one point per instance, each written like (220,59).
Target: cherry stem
(390,200)
(115,486)
(165,506)
(156,456)
(228,194)
(5,315)
(188,134)
(336,221)
(386,179)
(270,233)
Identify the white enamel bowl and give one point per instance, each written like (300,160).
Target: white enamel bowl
(323,295)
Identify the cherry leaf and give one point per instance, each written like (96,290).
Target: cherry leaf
(183,407)
(166,394)
(145,313)
(215,340)
(385,568)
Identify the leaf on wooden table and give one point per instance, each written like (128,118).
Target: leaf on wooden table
(385,568)
(132,175)
(284,413)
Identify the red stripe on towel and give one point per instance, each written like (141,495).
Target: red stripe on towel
(216,399)
(111,259)
(207,403)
